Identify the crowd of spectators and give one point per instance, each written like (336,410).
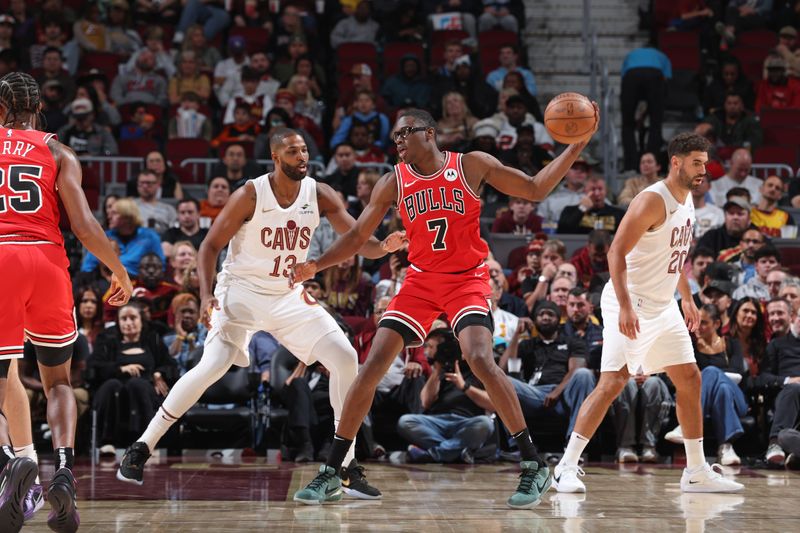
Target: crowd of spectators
(206,80)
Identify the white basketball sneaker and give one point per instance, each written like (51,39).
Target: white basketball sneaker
(675,436)
(565,478)
(727,455)
(705,478)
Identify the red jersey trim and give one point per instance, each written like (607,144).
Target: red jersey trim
(48,137)
(55,341)
(469,310)
(463,178)
(406,320)
(435,174)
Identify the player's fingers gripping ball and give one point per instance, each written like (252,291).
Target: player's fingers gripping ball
(570,118)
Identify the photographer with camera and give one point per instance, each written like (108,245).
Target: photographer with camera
(453,425)
(552,367)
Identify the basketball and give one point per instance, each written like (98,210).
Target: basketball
(569,117)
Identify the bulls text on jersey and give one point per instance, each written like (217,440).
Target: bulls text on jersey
(434,199)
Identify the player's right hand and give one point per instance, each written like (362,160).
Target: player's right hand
(628,322)
(121,289)
(302,272)
(208,304)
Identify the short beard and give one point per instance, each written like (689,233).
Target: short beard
(292,172)
(686,180)
(547,330)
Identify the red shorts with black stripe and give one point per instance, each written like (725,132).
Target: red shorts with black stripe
(36,296)
(424,296)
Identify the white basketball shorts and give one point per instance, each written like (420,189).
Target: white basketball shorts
(663,339)
(294,318)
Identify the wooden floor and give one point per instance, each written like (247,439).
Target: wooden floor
(253,495)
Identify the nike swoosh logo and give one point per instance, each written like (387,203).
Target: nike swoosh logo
(409,184)
(557,479)
(345,482)
(693,482)
(267,209)
(330,492)
(673,212)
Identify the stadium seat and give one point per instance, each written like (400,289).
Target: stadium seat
(672,39)
(683,58)
(663,11)
(137,147)
(348,54)
(779,117)
(750,54)
(178,149)
(105,62)
(782,135)
(256,38)
(757,38)
(394,52)
(497,38)
(786,155)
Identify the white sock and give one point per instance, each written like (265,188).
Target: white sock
(159,425)
(30,452)
(575,448)
(351,452)
(694,453)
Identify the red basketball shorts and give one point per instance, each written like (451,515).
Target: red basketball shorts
(36,297)
(424,296)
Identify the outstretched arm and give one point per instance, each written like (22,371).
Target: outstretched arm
(480,166)
(236,212)
(383,196)
(333,208)
(83,223)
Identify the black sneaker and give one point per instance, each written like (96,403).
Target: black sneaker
(63,517)
(355,484)
(131,469)
(15,480)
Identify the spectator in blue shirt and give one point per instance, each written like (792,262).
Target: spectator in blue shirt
(407,88)
(644,74)
(509,57)
(364,112)
(134,240)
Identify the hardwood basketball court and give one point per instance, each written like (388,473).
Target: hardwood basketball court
(196,494)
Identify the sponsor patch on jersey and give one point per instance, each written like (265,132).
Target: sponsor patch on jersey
(450,174)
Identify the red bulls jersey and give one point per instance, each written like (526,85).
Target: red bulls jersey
(441,215)
(28,197)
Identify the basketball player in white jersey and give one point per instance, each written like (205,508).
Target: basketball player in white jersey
(269,223)
(644,331)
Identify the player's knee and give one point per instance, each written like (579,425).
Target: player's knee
(612,383)
(480,361)
(686,377)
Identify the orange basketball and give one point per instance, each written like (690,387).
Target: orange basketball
(569,118)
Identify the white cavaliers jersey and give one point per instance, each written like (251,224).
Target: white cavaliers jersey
(655,263)
(265,247)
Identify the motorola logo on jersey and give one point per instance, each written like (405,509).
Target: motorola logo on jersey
(451,174)
(681,236)
(440,199)
(287,237)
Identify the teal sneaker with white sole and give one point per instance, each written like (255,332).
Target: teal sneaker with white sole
(326,487)
(534,481)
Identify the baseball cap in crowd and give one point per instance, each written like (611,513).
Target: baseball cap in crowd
(236,44)
(535,246)
(736,201)
(81,107)
(787,31)
(486,128)
(725,287)
(361,69)
(7,19)
(543,305)
(462,60)
(775,62)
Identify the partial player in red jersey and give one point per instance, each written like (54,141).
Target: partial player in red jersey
(437,194)
(35,290)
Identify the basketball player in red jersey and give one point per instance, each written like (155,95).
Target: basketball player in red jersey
(35,288)
(437,194)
